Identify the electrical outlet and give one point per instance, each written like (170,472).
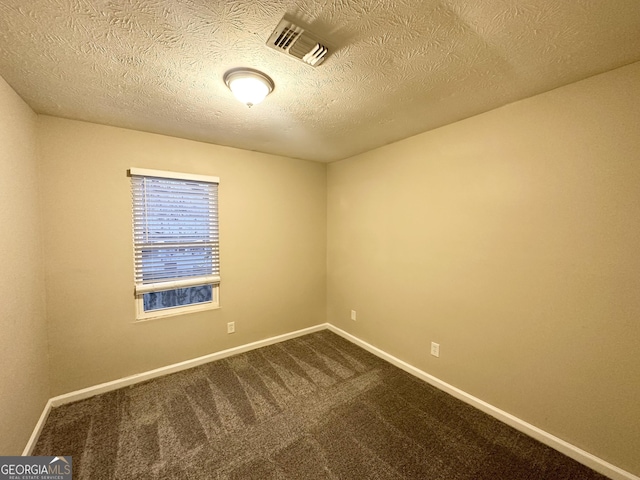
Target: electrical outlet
(353,315)
(435,349)
(231,327)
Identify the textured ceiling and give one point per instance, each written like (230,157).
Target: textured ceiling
(398,67)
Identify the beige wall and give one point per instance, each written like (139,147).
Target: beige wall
(272,241)
(512,239)
(24,375)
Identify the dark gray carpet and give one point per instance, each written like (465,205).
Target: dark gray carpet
(316,407)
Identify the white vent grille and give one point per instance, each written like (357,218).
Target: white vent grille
(298,43)
(286,36)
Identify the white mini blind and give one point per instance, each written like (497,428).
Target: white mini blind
(175,230)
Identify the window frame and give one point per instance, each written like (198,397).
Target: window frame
(141,314)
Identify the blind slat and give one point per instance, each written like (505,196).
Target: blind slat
(154,287)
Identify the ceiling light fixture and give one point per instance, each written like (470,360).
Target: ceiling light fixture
(248,85)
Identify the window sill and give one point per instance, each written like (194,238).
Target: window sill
(174,312)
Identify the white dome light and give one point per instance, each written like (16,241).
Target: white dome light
(248,85)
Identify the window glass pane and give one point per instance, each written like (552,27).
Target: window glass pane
(178,297)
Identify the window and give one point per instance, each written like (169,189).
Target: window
(175,237)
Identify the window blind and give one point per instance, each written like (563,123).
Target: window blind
(175,230)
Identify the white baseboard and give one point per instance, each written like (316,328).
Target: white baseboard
(582,456)
(28,449)
(176,367)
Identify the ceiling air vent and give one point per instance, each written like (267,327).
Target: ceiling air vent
(295,41)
